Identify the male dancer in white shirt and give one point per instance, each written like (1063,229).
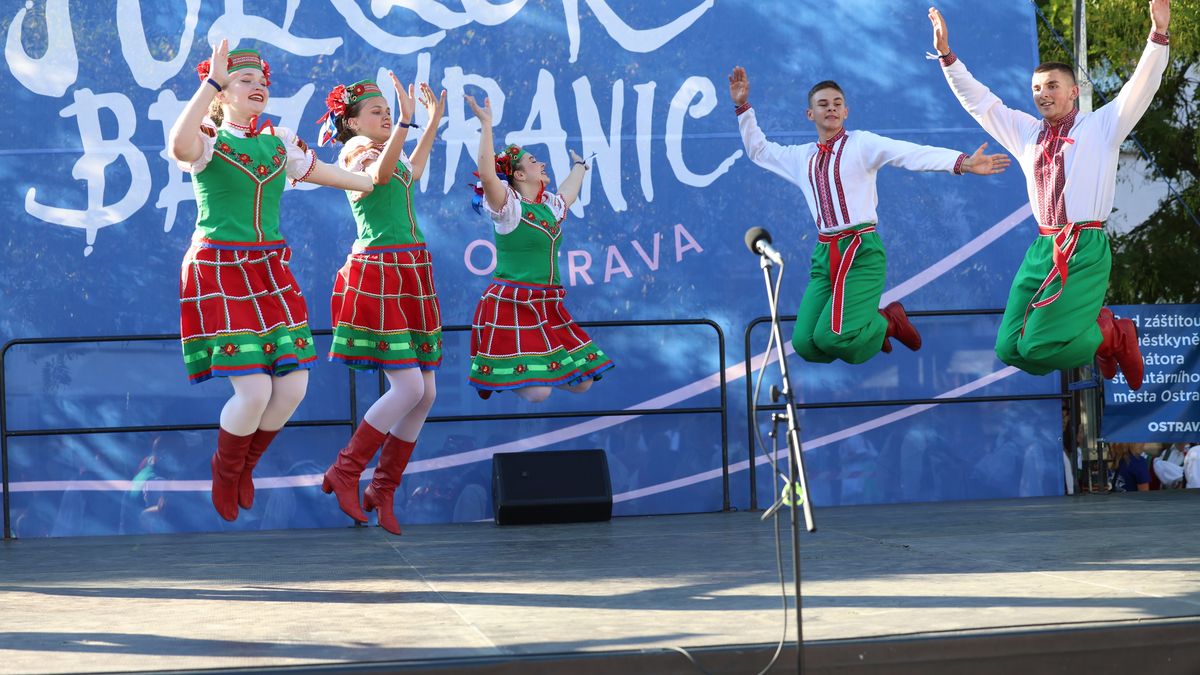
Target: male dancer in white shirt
(1070,163)
(839,315)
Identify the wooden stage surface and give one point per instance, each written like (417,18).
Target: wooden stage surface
(618,596)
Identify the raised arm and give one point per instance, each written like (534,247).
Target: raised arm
(569,188)
(786,161)
(434,108)
(381,169)
(184,140)
(1135,96)
(1006,125)
(494,190)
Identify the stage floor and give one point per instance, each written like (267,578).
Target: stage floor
(333,596)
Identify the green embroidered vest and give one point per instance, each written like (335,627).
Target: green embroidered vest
(529,253)
(238,192)
(385,216)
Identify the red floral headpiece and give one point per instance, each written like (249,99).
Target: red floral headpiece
(508,159)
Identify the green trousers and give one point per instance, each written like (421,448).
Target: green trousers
(862,326)
(1062,334)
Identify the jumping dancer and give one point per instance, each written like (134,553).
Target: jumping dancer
(384,306)
(522,337)
(242,315)
(839,315)
(1070,163)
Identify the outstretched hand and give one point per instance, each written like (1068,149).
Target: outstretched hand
(434,105)
(404,97)
(986,165)
(1160,15)
(218,64)
(485,113)
(941,34)
(739,86)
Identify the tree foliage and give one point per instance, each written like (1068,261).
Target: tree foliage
(1159,260)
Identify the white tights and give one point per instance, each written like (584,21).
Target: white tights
(262,401)
(403,408)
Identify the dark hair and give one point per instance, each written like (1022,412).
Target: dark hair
(824,84)
(344,132)
(1052,66)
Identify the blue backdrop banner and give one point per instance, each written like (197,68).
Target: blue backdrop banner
(1167,407)
(99,218)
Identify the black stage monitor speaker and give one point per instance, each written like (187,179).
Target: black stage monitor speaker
(554,486)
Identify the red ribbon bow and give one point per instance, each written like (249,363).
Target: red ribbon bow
(255,130)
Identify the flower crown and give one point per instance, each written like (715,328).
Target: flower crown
(338,100)
(239,59)
(508,159)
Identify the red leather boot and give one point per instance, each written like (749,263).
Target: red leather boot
(1121,344)
(342,477)
(227,463)
(1104,361)
(393,459)
(258,445)
(899,327)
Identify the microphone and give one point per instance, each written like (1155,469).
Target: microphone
(758,241)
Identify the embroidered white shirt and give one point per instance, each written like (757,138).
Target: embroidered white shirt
(1078,182)
(508,217)
(839,183)
(359,153)
(300,159)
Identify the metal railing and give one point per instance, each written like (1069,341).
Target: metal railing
(722,409)
(352,421)
(1065,393)
(6,433)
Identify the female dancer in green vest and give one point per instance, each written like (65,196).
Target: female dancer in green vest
(242,315)
(384,307)
(522,338)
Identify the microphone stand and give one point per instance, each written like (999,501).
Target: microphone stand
(796,474)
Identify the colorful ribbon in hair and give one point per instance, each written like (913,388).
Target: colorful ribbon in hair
(339,99)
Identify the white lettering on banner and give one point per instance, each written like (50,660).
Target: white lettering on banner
(166,110)
(651,263)
(98,153)
(544,109)
(235,25)
(469,255)
(631,39)
(682,104)
(57,69)
(580,270)
(479,11)
(579,262)
(1189,427)
(607,150)
(681,233)
(462,129)
(645,127)
(148,71)
(614,264)
(153,67)
(379,38)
